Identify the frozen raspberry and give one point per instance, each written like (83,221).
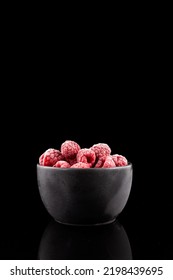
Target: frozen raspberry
(69,149)
(119,160)
(108,162)
(62,164)
(50,157)
(86,156)
(80,165)
(101,150)
(100,162)
(41,159)
(72,161)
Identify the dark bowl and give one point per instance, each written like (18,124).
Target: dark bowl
(80,196)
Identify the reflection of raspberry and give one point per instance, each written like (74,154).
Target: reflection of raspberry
(101,150)
(119,160)
(108,162)
(69,149)
(86,156)
(62,164)
(51,156)
(41,159)
(80,165)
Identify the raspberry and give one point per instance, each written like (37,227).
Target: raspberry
(62,164)
(72,156)
(72,161)
(41,159)
(51,156)
(80,165)
(100,162)
(101,150)
(108,162)
(69,149)
(86,156)
(119,160)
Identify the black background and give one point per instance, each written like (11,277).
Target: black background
(147,215)
(75,93)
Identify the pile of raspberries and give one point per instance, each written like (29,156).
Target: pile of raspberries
(71,155)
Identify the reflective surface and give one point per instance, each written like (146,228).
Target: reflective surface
(62,242)
(143,231)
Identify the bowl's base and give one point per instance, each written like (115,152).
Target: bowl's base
(97,224)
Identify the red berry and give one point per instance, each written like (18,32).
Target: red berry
(108,162)
(62,164)
(86,156)
(101,149)
(119,160)
(80,165)
(71,155)
(100,162)
(41,159)
(69,149)
(51,156)
(72,161)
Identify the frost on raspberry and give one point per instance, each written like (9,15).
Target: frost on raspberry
(119,160)
(69,149)
(100,162)
(62,164)
(101,150)
(41,159)
(71,161)
(80,165)
(51,156)
(108,162)
(86,156)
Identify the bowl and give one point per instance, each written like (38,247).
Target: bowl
(90,196)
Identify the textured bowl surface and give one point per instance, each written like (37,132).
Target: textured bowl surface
(84,196)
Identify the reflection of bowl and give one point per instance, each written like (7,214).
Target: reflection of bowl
(84,196)
(61,242)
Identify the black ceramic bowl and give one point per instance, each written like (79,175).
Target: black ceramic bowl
(84,196)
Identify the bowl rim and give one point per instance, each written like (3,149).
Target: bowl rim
(110,168)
